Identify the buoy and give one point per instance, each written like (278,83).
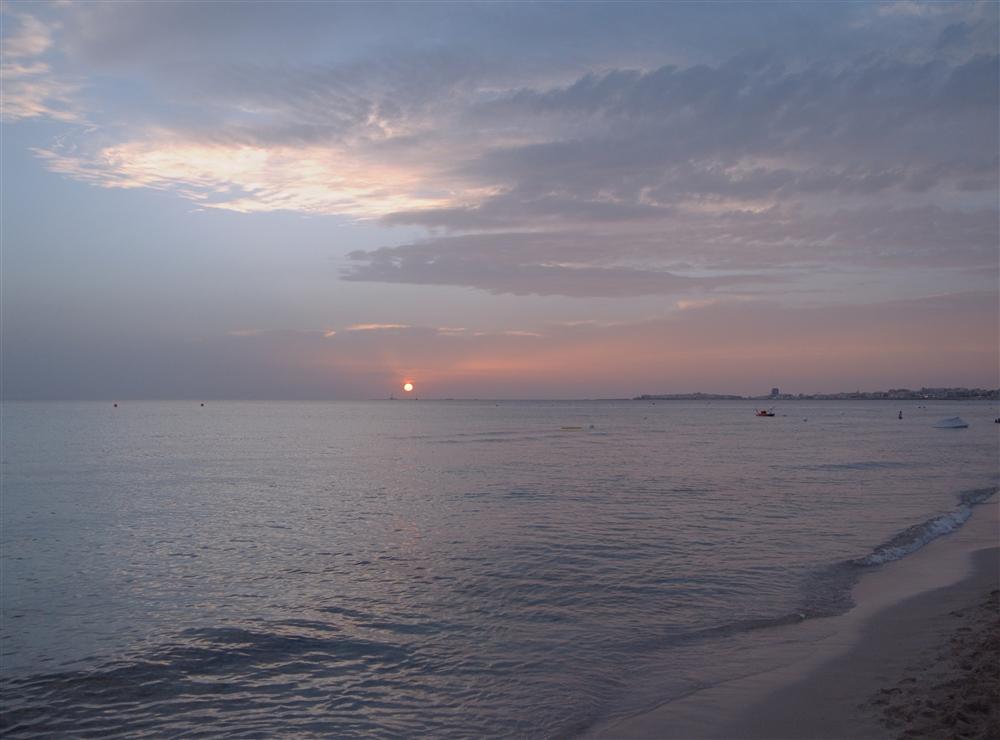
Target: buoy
(116,405)
(203,404)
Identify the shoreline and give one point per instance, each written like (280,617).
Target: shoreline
(839,676)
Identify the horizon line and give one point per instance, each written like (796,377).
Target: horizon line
(682,396)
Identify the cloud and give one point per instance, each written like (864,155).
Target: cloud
(751,127)
(376,327)
(571,264)
(615,145)
(31,39)
(614,175)
(29,92)
(744,250)
(30,88)
(249,179)
(911,8)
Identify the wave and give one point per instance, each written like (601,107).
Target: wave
(830,588)
(827,591)
(859,465)
(267,673)
(913,538)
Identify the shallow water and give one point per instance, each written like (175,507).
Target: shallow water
(437,568)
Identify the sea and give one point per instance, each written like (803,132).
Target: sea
(440,568)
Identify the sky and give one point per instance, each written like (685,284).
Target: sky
(497,200)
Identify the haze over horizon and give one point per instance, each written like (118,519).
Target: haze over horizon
(495,200)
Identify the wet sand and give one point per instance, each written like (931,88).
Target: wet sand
(895,679)
(919,656)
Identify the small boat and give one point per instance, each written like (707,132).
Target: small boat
(763,412)
(952,422)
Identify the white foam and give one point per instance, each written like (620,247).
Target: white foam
(925,533)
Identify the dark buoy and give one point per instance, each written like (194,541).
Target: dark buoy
(116,405)
(203,404)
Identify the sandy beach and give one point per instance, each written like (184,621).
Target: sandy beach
(919,656)
(954,690)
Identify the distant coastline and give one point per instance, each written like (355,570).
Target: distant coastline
(894,394)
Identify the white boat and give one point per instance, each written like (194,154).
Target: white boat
(952,422)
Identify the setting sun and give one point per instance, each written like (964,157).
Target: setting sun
(407,387)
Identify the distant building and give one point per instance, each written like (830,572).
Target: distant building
(775,393)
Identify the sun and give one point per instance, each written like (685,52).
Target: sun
(407,387)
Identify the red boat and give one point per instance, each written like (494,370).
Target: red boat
(764,412)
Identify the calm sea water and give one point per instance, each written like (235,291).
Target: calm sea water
(437,568)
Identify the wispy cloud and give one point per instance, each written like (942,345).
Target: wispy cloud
(376,327)
(250,179)
(571,264)
(911,8)
(30,87)
(615,177)
(31,39)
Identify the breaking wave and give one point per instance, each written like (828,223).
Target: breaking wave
(913,538)
(830,590)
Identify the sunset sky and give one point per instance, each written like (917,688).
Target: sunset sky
(497,200)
